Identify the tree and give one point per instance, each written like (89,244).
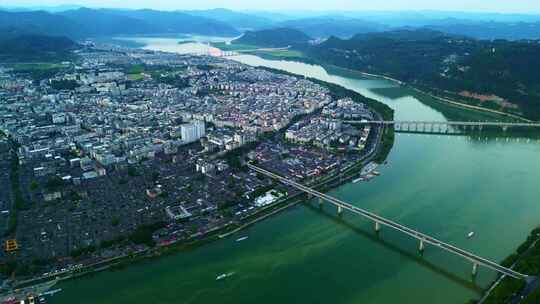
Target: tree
(132,171)
(115,221)
(34,185)
(143,234)
(54,183)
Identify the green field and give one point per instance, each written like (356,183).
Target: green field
(39,71)
(135,77)
(233,47)
(282,53)
(24,67)
(253,49)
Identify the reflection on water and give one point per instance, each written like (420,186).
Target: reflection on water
(445,186)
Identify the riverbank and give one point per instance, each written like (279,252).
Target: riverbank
(438,98)
(526,259)
(325,183)
(347,71)
(441,185)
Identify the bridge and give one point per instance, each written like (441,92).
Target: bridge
(446,126)
(379,220)
(212,51)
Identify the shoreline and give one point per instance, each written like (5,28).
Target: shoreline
(443,100)
(126,260)
(438,98)
(325,183)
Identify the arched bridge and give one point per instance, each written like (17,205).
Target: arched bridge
(379,220)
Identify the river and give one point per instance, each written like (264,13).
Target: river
(442,186)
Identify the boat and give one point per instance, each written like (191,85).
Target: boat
(242,239)
(470,235)
(376,173)
(224,276)
(51,292)
(356,180)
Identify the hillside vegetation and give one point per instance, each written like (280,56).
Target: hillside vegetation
(278,37)
(21,48)
(498,74)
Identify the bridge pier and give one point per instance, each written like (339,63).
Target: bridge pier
(377,227)
(421,246)
(339,210)
(474,269)
(377,220)
(321,201)
(505,128)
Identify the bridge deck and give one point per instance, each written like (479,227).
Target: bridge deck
(411,232)
(449,123)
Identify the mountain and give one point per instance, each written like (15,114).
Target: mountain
(50,9)
(445,63)
(404,54)
(84,22)
(40,22)
(489,30)
(323,27)
(104,22)
(273,16)
(34,47)
(277,37)
(178,22)
(236,19)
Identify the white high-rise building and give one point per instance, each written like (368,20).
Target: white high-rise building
(193,131)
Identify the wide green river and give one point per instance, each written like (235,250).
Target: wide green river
(445,186)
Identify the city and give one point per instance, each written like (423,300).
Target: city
(102,159)
(269,152)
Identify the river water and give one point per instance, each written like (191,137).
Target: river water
(445,186)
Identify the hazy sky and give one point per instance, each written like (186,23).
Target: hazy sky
(514,6)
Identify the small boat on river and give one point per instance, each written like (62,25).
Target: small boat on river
(224,276)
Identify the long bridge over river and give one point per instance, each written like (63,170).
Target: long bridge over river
(379,220)
(449,127)
(213,51)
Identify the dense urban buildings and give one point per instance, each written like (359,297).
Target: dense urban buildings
(125,149)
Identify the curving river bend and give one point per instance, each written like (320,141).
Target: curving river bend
(443,186)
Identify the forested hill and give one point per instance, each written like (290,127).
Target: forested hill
(278,37)
(504,71)
(16,48)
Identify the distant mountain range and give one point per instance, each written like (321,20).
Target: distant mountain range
(237,19)
(278,37)
(327,26)
(489,30)
(78,23)
(83,23)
